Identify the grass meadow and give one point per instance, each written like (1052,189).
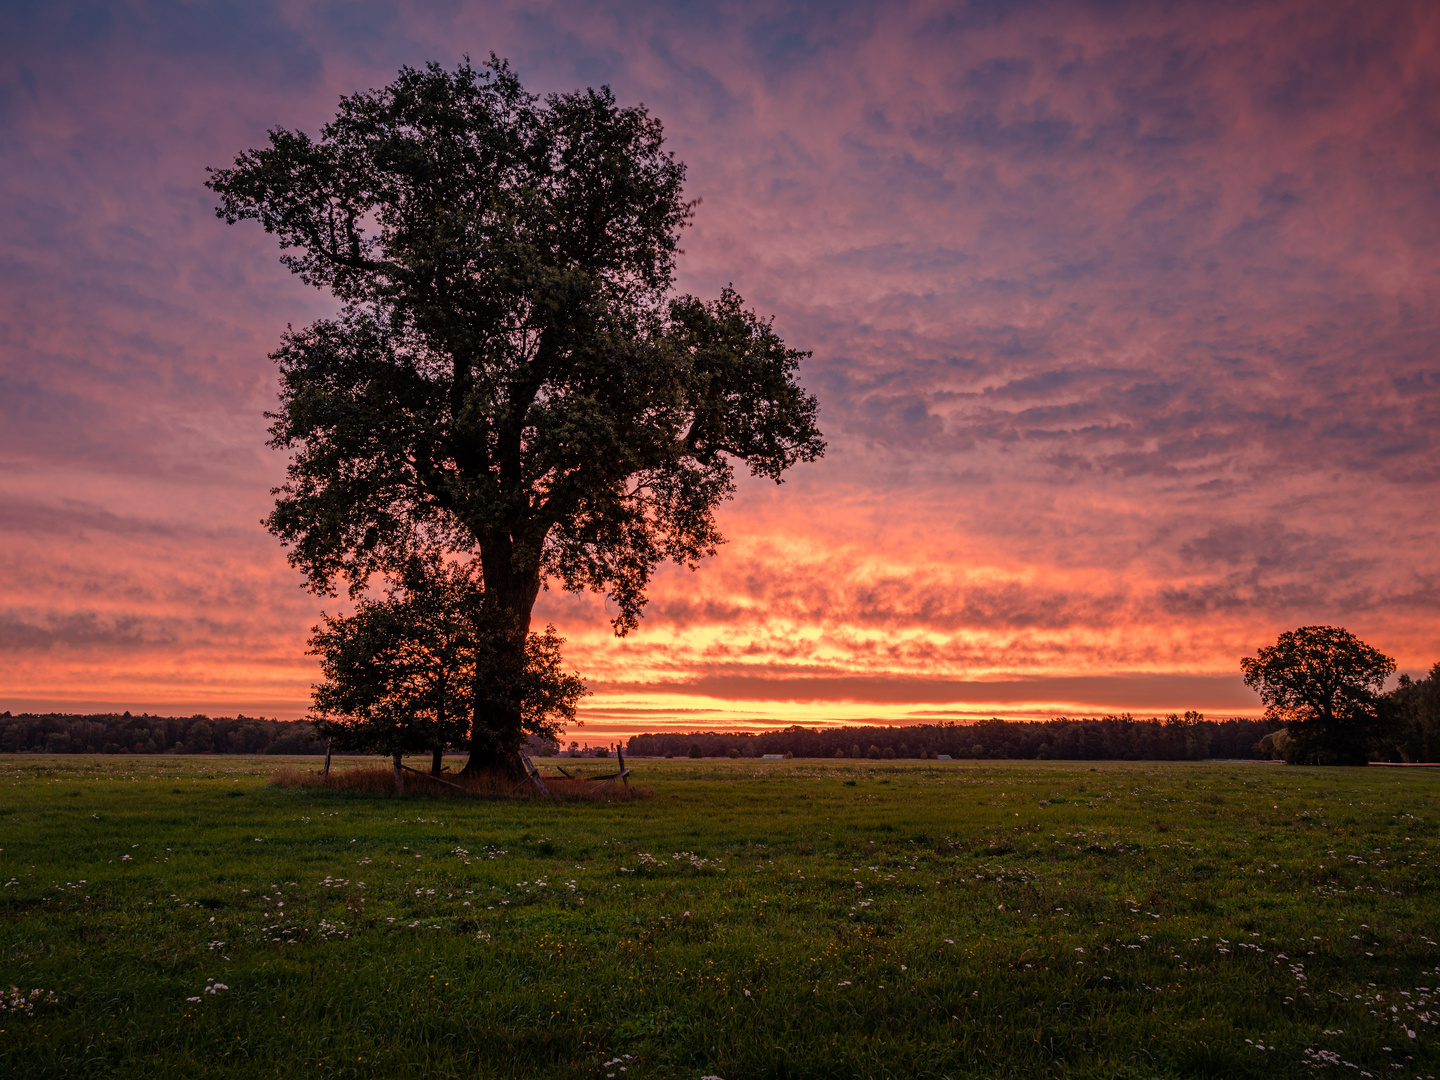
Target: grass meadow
(184,917)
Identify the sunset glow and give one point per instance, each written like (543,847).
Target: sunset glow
(1124,323)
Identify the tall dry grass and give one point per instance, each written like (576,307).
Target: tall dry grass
(380,780)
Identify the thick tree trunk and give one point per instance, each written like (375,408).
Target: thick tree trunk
(399,775)
(498,762)
(435,761)
(496,736)
(495,731)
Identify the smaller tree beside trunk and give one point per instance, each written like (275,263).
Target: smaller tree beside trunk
(417,670)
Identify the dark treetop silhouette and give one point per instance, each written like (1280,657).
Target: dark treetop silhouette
(510,375)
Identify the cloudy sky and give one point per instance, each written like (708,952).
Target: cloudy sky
(1124,321)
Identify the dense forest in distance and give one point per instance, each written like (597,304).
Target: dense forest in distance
(121,733)
(1116,737)
(1407,728)
(1176,738)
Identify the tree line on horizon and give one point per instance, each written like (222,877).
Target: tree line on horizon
(1187,737)
(1406,728)
(1176,738)
(122,733)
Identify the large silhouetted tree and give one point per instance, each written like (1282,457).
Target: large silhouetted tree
(1322,683)
(510,375)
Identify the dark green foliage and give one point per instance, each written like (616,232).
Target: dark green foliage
(1322,683)
(419,669)
(297,742)
(1410,718)
(510,377)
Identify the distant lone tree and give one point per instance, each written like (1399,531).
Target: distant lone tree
(1322,683)
(401,672)
(510,376)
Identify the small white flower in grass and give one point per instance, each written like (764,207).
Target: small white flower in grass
(192,999)
(747,993)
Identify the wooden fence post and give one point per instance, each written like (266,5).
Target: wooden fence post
(533,773)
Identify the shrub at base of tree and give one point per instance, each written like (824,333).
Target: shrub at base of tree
(418,670)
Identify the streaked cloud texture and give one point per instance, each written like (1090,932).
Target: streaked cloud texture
(1124,321)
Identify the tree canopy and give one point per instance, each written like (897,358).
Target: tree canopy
(1322,683)
(510,375)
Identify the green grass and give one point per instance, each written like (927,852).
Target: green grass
(798,919)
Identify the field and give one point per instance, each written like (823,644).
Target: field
(182,917)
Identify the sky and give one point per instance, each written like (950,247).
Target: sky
(1123,321)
